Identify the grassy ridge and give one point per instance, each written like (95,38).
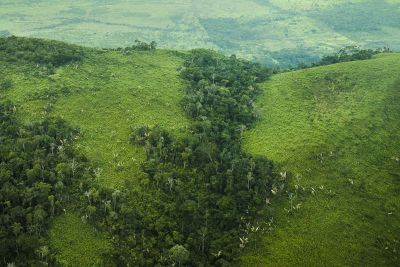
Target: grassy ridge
(336,126)
(104,96)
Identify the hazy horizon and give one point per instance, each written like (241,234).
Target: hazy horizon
(274,31)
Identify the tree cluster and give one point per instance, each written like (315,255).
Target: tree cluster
(139,46)
(38,169)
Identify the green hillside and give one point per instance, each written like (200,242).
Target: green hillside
(336,128)
(104,95)
(272,31)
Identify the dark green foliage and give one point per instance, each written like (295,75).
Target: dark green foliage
(202,190)
(37,171)
(37,51)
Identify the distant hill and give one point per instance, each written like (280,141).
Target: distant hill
(277,32)
(337,129)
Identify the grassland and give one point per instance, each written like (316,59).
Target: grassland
(104,96)
(80,245)
(336,128)
(276,31)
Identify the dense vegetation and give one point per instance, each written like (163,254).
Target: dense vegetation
(38,171)
(204,196)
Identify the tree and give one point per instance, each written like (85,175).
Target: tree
(179,254)
(43,252)
(115,196)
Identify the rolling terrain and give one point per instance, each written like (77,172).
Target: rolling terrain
(277,32)
(334,129)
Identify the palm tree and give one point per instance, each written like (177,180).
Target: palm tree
(115,196)
(249,179)
(170,181)
(74,167)
(43,252)
(51,200)
(88,194)
(107,205)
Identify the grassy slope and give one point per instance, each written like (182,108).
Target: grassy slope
(107,94)
(337,126)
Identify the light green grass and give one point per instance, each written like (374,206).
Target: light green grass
(80,245)
(338,127)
